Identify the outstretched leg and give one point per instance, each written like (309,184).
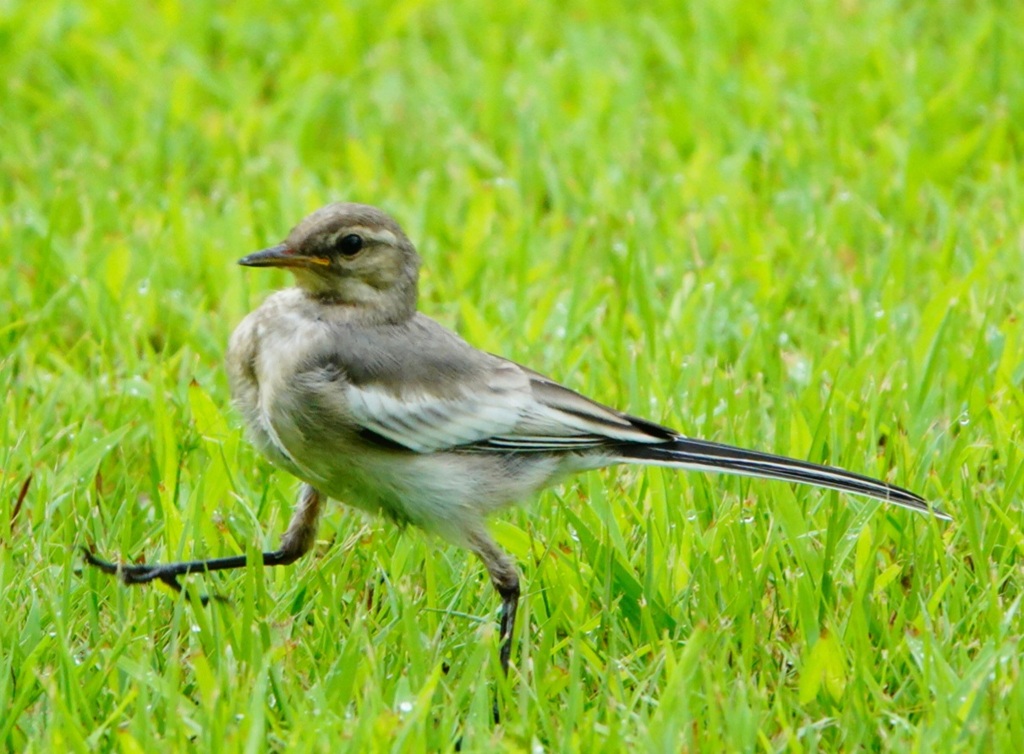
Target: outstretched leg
(295,543)
(505,578)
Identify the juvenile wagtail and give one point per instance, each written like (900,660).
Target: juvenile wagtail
(346,386)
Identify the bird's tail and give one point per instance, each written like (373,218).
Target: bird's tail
(702,455)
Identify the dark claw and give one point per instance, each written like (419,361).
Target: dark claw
(142,574)
(130,574)
(103,565)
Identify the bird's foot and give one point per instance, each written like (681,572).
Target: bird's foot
(144,574)
(133,574)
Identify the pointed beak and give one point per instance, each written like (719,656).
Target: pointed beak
(282,256)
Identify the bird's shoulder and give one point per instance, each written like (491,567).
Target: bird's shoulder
(416,356)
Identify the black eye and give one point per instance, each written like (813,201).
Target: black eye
(350,245)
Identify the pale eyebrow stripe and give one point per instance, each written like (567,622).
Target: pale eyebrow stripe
(380,235)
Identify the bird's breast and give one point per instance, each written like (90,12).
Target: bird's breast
(265,358)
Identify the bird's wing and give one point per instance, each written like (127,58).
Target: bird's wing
(560,419)
(419,386)
(503,407)
(424,419)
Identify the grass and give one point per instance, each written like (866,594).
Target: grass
(794,226)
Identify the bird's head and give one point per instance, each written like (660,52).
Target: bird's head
(350,254)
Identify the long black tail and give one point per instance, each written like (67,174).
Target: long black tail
(702,455)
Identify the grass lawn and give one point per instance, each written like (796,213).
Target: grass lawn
(794,226)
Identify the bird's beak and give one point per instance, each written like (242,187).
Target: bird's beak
(282,256)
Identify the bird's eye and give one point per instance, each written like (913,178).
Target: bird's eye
(350,245)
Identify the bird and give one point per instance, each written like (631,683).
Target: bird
(344,384)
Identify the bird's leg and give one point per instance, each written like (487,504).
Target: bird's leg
(295,543)
(505,578)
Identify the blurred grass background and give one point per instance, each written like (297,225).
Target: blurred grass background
(790,225)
